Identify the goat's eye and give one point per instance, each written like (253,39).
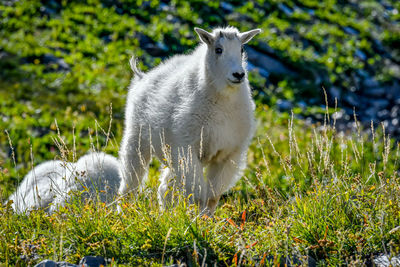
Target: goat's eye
(218,50)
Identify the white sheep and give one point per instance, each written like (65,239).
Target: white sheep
(194,112)
(48,184)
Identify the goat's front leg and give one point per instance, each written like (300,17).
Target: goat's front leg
(221,176)
(185,176)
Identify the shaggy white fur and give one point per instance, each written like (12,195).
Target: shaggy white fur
(47,185)
(41,185)
(193,111)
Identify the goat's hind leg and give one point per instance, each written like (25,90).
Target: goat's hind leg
(135,156)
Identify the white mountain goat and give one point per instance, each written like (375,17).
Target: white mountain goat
(194,111)
(47,185)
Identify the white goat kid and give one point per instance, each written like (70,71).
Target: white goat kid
(193,111)
(49,182)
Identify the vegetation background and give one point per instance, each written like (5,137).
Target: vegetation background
(319,186)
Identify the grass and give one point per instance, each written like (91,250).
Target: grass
(308,189)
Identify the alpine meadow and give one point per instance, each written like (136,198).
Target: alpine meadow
(303,104)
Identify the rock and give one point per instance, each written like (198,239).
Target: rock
(394,112)
(350,30)
(266,62)
(370,82)
(379,104)
(387,6)
(309,11)
(394,69)
(239,17)
(369,114)
(4,55)
(199,21)
(47,11)
(50,263)
(393,91)
(54,4)
(349,115)
(228,8)
(143,39)
(293,261)
(8,2)
(361,55)
(352,99)
(119,11)
(92,261)
(383,114)
(261,71)
(51,59)
(285,9)
(335,92)
(302,105)
(172,19)
(46,263)
(284,105)
(385,261)
(264,47)
(362,73)
(375,92)
(338,114)
(164,7)
(88,261)
(66,264)
(107,39)
(156,50)
(378,46)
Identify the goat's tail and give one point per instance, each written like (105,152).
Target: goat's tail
(134,67)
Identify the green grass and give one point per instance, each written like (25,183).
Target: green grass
(308,190)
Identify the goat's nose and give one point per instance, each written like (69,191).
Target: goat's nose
(238,75)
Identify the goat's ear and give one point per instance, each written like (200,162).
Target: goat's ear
(205,36)
(245,37)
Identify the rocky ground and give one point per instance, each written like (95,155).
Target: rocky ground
(91,261)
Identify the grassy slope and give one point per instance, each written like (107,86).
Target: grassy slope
(306,192)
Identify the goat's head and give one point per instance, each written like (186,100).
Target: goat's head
(225,59)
